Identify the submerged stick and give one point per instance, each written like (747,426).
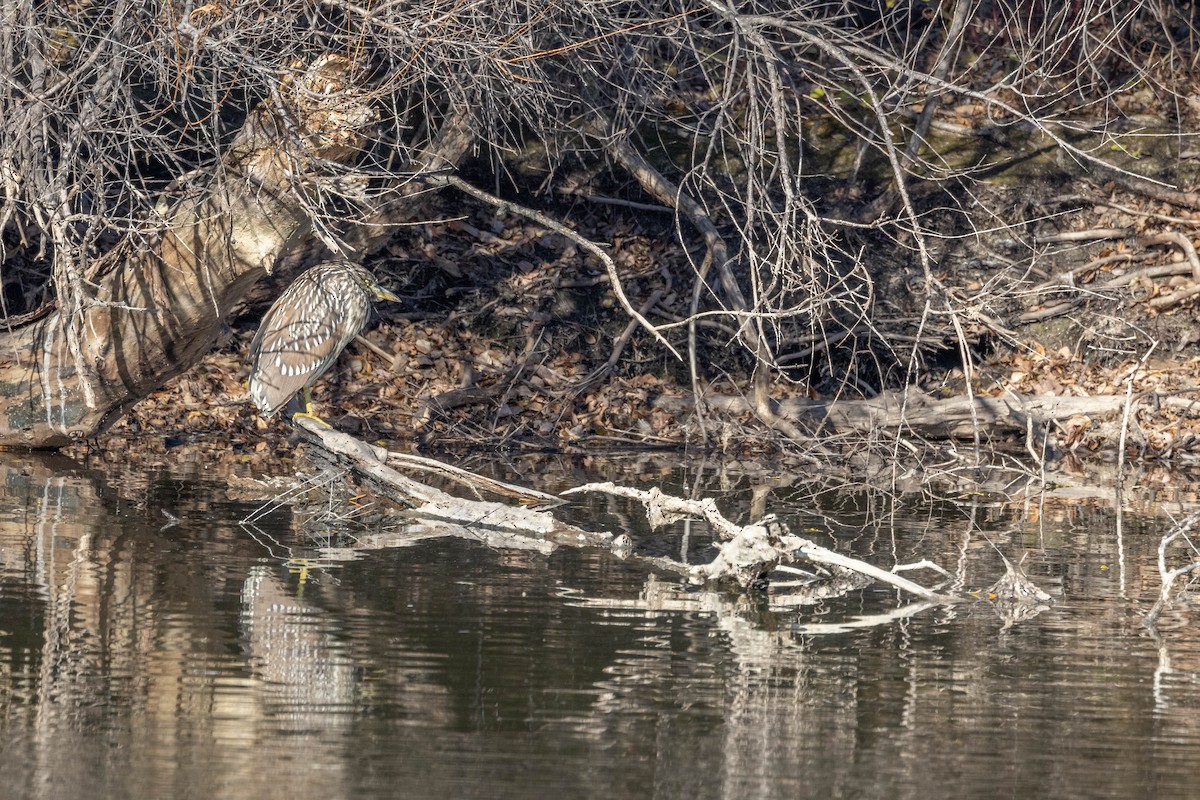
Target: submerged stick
(1168,577)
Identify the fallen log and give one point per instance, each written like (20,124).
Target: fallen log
(747,554)
(750,552)
(373,465)
(918,412)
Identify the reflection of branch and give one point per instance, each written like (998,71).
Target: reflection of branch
(659,595)
(291,493)
(1164,668)
(425,528)
(748,553)
(864,621)
(527,496)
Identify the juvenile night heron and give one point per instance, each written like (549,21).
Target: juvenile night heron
(304,331)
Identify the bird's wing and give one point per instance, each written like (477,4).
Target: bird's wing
(290,356)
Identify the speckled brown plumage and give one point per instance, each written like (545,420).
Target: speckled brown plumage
(307,327)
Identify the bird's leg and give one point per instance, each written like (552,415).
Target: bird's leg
(300,568)
(308,411)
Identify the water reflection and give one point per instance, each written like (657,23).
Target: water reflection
(140,657)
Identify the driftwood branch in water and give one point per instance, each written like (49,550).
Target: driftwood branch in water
(748,552)
(159,305)
(1168,577)
(371,464)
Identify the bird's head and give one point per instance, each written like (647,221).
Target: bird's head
(383,294)
(372,287)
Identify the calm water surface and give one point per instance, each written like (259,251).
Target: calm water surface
(198,658)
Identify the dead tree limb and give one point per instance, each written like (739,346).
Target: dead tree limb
(750,552)
(747,554)
(610,266)
(919,413)
(374,465)
(1182,529)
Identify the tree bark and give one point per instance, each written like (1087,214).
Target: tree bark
(157,310)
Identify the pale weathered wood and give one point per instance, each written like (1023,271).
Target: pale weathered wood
(919,413)
(438,508)
(750,552)
(747,553)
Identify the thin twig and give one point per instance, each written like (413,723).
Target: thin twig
(1090,235)
(1128,407)
(562,230)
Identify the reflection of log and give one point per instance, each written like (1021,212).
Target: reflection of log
(159,309)
(920,413)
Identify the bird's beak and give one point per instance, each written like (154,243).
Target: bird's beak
(383,294)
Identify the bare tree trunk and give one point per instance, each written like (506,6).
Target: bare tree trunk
(158,310)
